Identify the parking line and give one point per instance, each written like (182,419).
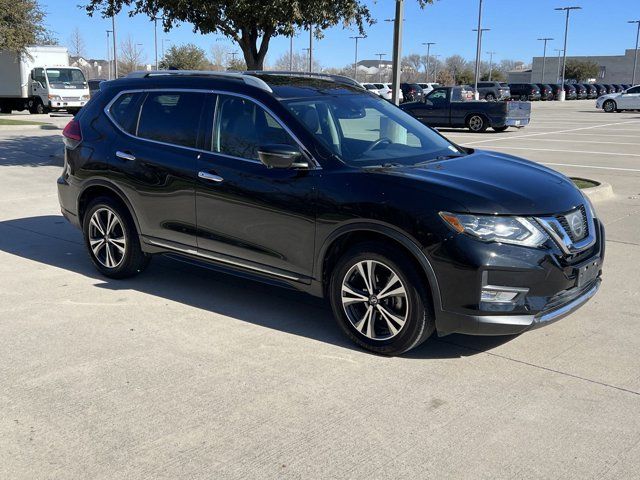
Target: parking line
(551,133)
(586,152)
(589,141)
(591,166)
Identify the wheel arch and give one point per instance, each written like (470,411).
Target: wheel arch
(484,116)
(99,188)
(346,236)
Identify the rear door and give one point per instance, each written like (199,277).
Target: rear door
(154,161)
(248,215)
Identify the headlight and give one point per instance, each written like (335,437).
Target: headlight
(55,98)
(489,228)
(84,97)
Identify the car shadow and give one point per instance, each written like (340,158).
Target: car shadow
(51,240)
(31,151)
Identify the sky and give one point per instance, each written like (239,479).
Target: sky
(600,28)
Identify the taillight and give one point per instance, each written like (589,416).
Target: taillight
(533,90)
(72,134)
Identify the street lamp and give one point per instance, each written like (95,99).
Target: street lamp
(115,50)
(155,37)
(490,63)
(480,31)
(435,67)
(559,50)
(109,54)
(355,64)
(544,54)
(428,44)
(397,50)
(564,55)
(635,59)
(380,55)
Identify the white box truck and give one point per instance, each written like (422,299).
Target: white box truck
(41,81)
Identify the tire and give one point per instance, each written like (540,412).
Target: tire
(412,321)
(36,107)
(609,106)
(524,98)
(490,97)
(477,123)
(121,256)
(500,129)
(73,111)
(5,109)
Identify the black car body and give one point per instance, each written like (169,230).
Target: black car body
(94,85)
(493,91)
(581,91)
(312,183)
(452,107)
(600,89)
(524,91)
(592,90)
(412,92)
(570,92)
(610,88)
(546,92)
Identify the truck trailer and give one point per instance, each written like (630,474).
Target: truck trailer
(40,81)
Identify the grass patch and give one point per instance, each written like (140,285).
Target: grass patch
(8,121)
(584,183)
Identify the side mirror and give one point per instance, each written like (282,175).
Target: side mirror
(281,156)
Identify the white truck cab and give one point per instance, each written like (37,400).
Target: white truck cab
(40,81)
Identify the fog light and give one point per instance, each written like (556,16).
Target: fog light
(497,296)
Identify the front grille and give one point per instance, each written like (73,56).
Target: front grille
(70,99)
(565,225)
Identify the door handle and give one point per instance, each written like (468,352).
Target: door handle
(210,176)
(125,156)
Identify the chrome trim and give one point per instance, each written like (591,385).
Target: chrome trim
(221,259)
(560,236)
(125,156)
(305,151)
(210,176)
(248,79)
(568,308)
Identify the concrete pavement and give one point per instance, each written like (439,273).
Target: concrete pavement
(187,373)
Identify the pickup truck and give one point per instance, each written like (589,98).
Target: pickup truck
(454,107)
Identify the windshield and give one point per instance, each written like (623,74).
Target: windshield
(365,131)
(66,78)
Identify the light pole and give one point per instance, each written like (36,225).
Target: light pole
(109,53)
(559,50)
(480,31)
(155,37)
(428,44)
(355,63)
(397,51)
(435,68)
(380,55)
(291,52)
(310,49)
(115,50)
(544,55)
(490,63)
(635,58)
(564,55)
(476,95)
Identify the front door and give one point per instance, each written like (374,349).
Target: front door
(630,99)
(248,215)
(435,109)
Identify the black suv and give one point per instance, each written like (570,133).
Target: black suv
(412,92)
(493,91)
(524,91)
(310,182)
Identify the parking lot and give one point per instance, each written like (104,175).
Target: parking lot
(188,373)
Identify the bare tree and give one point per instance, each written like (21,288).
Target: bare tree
(76,43)
(300,63)
(456,65)
(131,57)
(219,56)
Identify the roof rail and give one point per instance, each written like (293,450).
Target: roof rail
(323,76)
(248,79)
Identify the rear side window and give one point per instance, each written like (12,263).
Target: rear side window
(172,117)
(124,111)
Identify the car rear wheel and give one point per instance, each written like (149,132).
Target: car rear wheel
(609,106)
(37,107)
(490,97)
(477,123)
(111,239)
(379,300)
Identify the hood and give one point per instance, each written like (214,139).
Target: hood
(608,96)
(493,183)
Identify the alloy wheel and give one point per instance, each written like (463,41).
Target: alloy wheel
(476,123)
(107,238)
(374,298)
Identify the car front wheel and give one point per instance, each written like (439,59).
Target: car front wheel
(477,123)
(609,106)
(379,300)
(111,239)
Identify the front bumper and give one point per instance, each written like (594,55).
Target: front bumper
(67,104)
(552,282)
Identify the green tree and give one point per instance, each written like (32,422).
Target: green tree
(581,70)
(250,23)
(466,77)
(21,25)
(185,57)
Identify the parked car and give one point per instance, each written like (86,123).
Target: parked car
(581,91)
(371,87)
(570,92)
(546,92)
(592,90)
(309,182)
(387,92)
(617,102)
(453,107)
(94,85)
(428,87)
(602,90)
(619,88)
(493,91)
(411,92)
(610,88)
(524,91)
(626,86)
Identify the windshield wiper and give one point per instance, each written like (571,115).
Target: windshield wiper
(439,158)
(385,165)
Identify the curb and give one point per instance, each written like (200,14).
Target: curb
(15,128)
(603,191)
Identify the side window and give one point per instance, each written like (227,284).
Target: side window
(438,96)
(38,76)
(172,117)
(634,90)
(484,85)
(124,111)
(242,126)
